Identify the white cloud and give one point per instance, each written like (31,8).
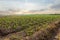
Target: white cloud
(29,6)
(5,5)
(19,4)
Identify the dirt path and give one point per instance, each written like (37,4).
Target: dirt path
(57,37)
(52,31)
(57,33)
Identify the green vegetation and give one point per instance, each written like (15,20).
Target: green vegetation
(27,23)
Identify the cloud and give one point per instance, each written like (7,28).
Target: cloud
(57,1)
(56,7)
(31,5)
(35,4)
(5,5)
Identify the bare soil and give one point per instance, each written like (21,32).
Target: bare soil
(52,32)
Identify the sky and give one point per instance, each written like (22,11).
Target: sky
(29,5)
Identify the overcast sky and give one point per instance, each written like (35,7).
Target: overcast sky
(29,4)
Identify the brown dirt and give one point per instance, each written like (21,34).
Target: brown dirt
(52,32)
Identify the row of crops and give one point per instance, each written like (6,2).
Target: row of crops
(27,23)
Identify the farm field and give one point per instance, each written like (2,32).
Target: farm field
(30,27)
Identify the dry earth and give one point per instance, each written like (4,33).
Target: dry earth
(52,32)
